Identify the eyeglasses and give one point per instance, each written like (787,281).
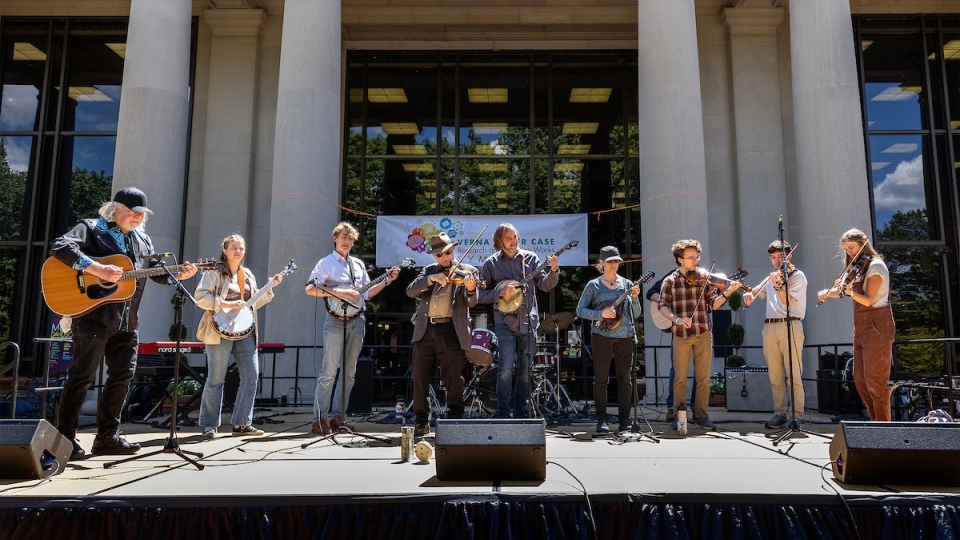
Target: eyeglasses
(697,258)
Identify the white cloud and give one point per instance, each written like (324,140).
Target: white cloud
(18,152)
(19,107)
(902,189)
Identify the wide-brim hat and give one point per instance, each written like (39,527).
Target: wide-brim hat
(610,253)
(133,198)
(440,243)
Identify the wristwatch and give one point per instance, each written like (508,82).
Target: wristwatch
(676,322)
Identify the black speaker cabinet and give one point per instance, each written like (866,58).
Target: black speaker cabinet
(32,449)
(489,449)
(361,395)
(902,453)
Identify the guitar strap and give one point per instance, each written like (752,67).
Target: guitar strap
(241,281)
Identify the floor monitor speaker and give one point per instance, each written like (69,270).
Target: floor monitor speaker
(902,453)
(32,449)
(491,449)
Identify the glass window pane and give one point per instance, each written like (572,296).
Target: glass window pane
(498,186)
(951,58)
(494,111)
(24,58)
(93,83)
(936,81)
(587,111)
(11,289)
(448,106)
(568,186)
(902,183)
(85,179)
(401,111)
(448,187)
(354,115)
(16,160)
(894,81)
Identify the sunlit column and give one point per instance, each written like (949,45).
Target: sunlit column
(306,166)
(831,163)
(152,133)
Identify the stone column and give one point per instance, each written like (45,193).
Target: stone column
(831,163)
(226,184)
(673,184)
(306,165)
(152,133)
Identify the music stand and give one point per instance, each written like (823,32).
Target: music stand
(793,427)
(171,446)
(343,428)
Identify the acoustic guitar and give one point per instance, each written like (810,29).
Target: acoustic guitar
(73,293)
(609,324)
(236,324)
(508,305)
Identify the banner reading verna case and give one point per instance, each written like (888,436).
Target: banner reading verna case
(399,237)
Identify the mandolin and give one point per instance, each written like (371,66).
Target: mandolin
(611,323)
(508,305)
(72,293)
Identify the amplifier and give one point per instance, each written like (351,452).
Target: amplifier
(748,389)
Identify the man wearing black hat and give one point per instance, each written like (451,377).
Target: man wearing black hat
(441,328)
(110,330)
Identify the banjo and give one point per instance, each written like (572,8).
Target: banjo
(340,310)
(236,324)
(508,305)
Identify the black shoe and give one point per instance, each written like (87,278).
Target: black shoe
(625,426)
(78,452)
(602,427)
(422,429)
(113,444)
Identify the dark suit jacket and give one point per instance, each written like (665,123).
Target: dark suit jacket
(421,289)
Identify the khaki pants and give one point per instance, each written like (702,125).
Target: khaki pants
(702,348)
(775,351)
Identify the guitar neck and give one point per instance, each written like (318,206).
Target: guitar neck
(262,291)
(150,272)
(373,283)
(537,270)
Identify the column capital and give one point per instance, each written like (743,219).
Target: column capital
(235,22)
(746,22)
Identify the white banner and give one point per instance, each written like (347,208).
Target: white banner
(399,237)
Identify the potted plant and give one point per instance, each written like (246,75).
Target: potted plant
(736,332)
(718,390)
(185,390)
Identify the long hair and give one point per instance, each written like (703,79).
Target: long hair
(862,240)
(108,211)
(224,266)
(499,232)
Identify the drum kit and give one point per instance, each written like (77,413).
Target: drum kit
(548,398)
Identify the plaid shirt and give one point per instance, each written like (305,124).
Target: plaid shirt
(681,298)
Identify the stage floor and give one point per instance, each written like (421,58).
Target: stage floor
(737,463)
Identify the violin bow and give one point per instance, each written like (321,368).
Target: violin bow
(790,256)
(456,265)
(705,286)
(845,268)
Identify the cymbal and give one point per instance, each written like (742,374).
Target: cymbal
(557,321)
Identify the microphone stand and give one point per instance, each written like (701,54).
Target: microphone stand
(635,433)
(793,427)
(344,304)
(171,446)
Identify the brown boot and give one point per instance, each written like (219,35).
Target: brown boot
(338,421)
(321,427)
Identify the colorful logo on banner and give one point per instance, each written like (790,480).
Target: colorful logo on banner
(421,231)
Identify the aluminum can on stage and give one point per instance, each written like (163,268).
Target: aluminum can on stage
(406,443)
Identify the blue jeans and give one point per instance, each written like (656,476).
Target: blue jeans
(218,359)
(333,347)
(514,352)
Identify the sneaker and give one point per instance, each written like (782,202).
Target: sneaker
(321,427)
(113,444)
(422,429)
(625,426)
(77,453)
(602,427)
(246,431)
(776,421)
(674,424)
(799,421)
(337,422)
(209,432)
(706,424)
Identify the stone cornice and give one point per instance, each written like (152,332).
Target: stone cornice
(233,4)
(752,22)
(235,22)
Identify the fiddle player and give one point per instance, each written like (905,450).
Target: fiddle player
(685,296)
(516,332)
(617,342)
(344,275)
(779,357)
(866,281)
(441,328)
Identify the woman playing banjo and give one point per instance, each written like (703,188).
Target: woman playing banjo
(226,291)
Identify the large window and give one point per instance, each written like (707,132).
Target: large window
(910,76)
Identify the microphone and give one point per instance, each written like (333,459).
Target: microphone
(312,282)
(780,225)
(158,256)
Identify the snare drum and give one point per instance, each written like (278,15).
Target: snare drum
(482,347)
(542,360)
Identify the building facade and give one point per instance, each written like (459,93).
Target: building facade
(706,119)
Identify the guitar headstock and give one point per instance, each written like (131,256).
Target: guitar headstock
(646,277)
(289,269)
(569,245)
(409,262)
(738,275)
(208,264)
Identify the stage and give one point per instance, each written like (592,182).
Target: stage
(728,483)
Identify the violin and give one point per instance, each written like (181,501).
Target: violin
(457,276)
(850,274)
(703,277)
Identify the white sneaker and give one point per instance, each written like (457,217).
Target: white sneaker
(209,432)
